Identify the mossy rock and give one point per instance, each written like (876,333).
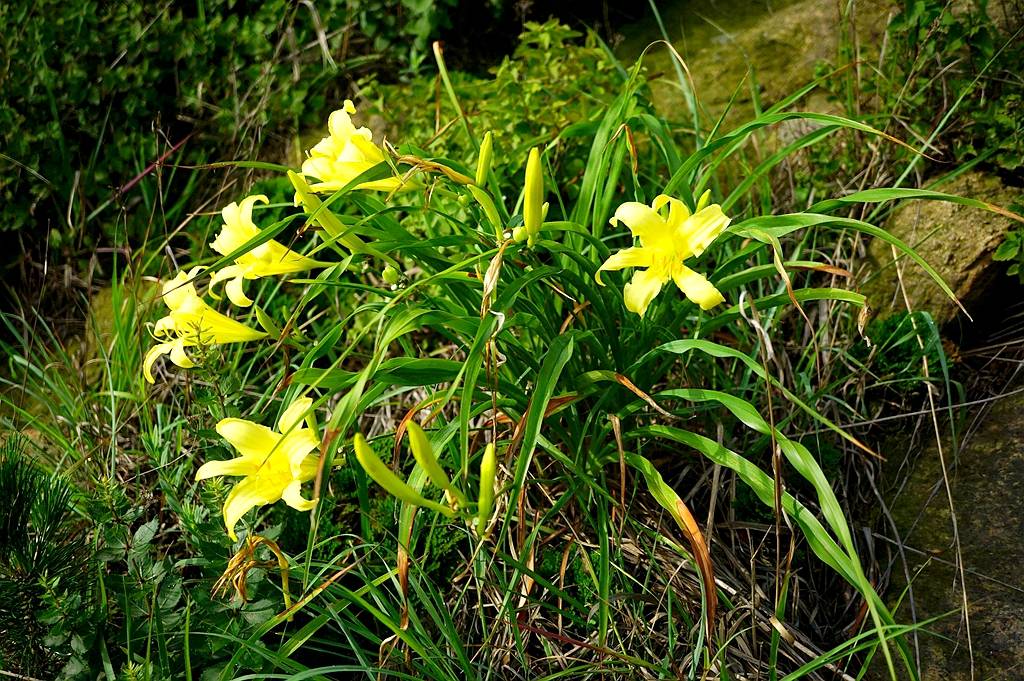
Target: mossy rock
(987,483)
(107,309)
(725,43)
(958,241)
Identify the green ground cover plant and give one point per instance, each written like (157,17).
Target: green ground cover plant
(397,409)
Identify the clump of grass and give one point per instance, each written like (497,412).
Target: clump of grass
(656,513)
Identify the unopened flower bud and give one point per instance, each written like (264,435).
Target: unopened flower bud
(533,199)
(483,163)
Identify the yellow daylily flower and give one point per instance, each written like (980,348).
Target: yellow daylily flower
(274,463)
(191,322)
(344,154)
(664,244)
(268,259)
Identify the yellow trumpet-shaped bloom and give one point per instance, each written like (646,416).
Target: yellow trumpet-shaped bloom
(344,154)
(274,463)
(191,322)
(268,259)
(665,242)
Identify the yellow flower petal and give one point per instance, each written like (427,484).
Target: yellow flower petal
(237,466)
(702,228)
(276,259)
(220,275)
(344,154)
(152,355)
(165,326)
(247,494)
(339,123)
(677,210)
(235,292)
(292,495)
(245,207)
(179,291)
(178,355)
(642,289)
(274,464)
(296,448)
(250,439)
(665,243)
(238,226)
(645,224)
(627,257)
(696,287)
(210,326)
(309,467)
(368,151)
(293,416)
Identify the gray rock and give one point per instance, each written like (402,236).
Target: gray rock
(988,496)
(958,241)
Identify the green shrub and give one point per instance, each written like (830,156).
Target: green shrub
(95,92)
(947,61)
(1012,250)
(551,83)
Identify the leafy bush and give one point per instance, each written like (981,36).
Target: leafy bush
(478,308)
(952,70)
(95,92)
(1012,250)
(550,88)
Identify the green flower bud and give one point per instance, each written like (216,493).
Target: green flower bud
(485,502)
(423,452)
(533,198)
(483,163)
(383,476)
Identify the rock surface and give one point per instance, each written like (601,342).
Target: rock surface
(988,496)
(958,241)
(774,45)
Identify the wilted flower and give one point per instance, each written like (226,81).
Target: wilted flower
(664,244)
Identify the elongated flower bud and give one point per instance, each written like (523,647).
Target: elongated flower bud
(423,452)
(329,221)
(483,163)
(533,198)
(384,477)
(705,199)
(488,470)
(487,204)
